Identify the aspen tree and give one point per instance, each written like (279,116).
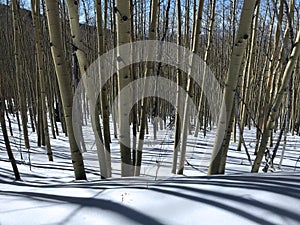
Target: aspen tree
(186,115)
(83,65)
(35,11)
(149,71)
(63,73)
(133,69)
(122,11)
(207,51)
(249,75)
(177,119)
(289,93)
(4,132)
(219,153)
(273,114)
(103,93)
(19,70)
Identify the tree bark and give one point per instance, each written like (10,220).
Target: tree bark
(273,115)
(63,73)
(186,115)
(149,71)
(35,10)
(19,70)
(123,36)
(103,93)
(178,124)
(219,153)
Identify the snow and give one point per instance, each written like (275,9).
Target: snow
(48,193)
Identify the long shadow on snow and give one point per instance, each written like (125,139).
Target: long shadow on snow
(91,202)
(138,217)
(260,205)
(215,204)
(277,185)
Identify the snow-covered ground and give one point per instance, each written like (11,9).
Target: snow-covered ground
(48,193)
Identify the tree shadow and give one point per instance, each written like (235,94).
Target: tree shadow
(103,204)
(217,204)
(278,185)
(238,211)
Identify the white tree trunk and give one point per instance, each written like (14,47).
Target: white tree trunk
(220,149)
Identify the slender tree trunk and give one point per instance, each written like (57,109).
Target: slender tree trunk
(219,153)
(249,76)
(63,73)
(273,115)
(103,93)
(123,33)
(177,119)
(19,70)
(133,72)
(207,51)
(4,132)
(186,115)
(35,9)
(149,71)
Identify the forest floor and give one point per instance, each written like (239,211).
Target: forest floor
(48,193)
